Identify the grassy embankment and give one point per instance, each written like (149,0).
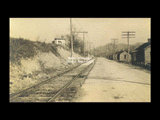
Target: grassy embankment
(32,62)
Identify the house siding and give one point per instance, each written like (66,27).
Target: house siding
(122,58)
(147,55)
(134,56)
(140,56)
(60,42)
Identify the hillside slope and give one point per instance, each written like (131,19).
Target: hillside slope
(32,62)
(108,48)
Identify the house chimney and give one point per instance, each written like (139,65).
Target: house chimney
(149,40)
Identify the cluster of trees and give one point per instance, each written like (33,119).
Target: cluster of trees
(108,49)
(78,45)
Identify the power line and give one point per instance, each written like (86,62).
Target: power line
(128,35)
(83,40)
(81,26)
(82,31)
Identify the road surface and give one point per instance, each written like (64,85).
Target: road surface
(110,81)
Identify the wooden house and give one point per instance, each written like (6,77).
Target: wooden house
(60,41)
(110,56)
(147,54)
(142,54)
(122,56)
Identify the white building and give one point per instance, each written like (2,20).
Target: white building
(60,41)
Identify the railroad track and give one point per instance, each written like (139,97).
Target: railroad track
(61,87)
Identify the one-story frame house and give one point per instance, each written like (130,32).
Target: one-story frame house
(142,54)
(122,56)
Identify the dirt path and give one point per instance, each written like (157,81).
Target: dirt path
(110,81)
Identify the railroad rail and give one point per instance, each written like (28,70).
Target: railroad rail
(51,89)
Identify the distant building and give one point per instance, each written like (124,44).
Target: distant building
(60,41)
(122,56)
(109,56)
(142,54)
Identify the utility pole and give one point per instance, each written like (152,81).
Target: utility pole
(83,40)
(71,37)
(114,48)
(128,35)
(89,45)
(94,50)
(109,47)
(87,48)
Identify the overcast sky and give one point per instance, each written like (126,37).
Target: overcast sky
(100,30)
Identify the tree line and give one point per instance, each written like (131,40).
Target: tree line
(78,45)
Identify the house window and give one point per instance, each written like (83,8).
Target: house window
(124,56)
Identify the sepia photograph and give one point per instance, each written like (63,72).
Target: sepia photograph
(79,60)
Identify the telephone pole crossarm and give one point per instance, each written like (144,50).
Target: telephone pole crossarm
(126,34)
(128,37)
(80,32)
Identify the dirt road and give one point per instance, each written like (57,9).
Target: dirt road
(110,81)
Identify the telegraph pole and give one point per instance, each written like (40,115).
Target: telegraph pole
(94,50)
(89,45)
(128,35)
(71,37)
(83,40)
(87,48)
(114,50)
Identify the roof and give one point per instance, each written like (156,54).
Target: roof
(148,46)
(119,52)
(134,51)
(143,46)
(59,39)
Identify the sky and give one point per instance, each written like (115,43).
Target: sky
(100,30)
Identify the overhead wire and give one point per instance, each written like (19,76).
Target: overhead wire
(82,29)
(81,26)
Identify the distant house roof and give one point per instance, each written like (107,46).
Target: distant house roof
(143,46)
(134,51)
(59,39)
(148,46)
(119,52)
